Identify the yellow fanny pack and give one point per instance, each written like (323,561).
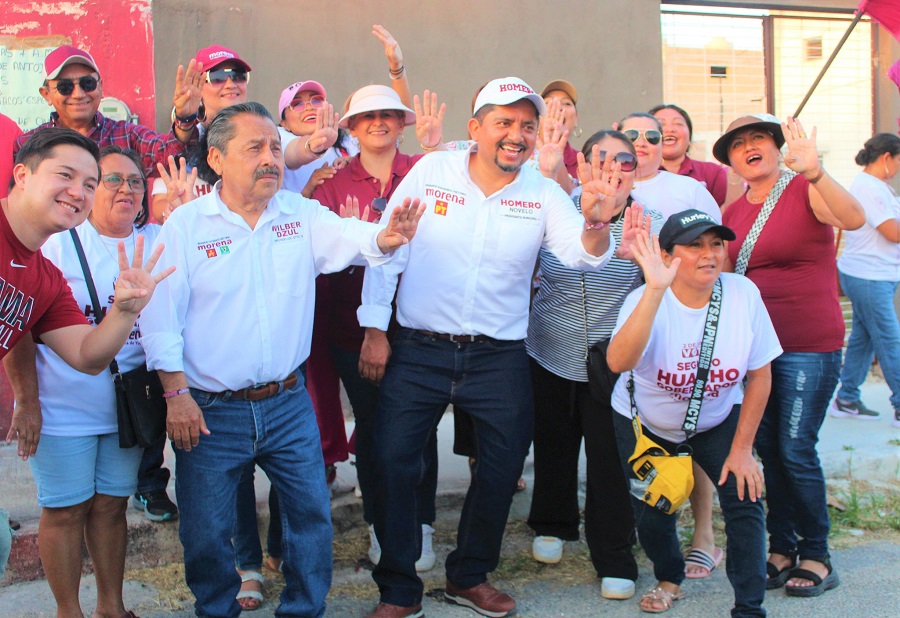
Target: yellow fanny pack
(667,479)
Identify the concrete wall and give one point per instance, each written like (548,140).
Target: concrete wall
(449,47)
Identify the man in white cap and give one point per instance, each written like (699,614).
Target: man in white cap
(462,304)
(73,87)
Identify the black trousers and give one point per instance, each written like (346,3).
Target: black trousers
(565,412)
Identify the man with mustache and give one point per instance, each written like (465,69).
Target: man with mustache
(462,304)
(228,337)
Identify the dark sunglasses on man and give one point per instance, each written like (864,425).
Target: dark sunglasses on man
(627,160)
(217,77)
(653,136)
(66,86)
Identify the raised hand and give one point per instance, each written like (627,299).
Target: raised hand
(552,138)
(402,225)
(633,223)
(188,83)
(600,181)
(326,132)
(350,210)
(802,155)
(136,283)
(649,257)
(391,46)
(429,120)
(179,184)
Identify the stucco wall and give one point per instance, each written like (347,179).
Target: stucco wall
(450,47)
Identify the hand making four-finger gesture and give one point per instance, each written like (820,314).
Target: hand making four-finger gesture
(551,140)
(633,223)
(429,120)
(350,209)
(326,132)
(391,47)
(179,184)
(136,283)
(188,83)
(802,155)
(600,180)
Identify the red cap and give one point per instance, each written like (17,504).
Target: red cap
(63,56)
(214,55)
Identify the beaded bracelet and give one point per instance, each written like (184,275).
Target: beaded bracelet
(180,391)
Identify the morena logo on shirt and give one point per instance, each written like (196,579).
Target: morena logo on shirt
(215,247)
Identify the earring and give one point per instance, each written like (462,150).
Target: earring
(399,140)
(578,131)
(201,112)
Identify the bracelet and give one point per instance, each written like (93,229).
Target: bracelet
(398,74)
(819,177)
(192,119)
(435,147)
(313,152)
(180,391)
(596,226)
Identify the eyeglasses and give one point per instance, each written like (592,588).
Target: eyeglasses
(315,102)
(627,160)
(66,86)
(379,204)
(653,136)
(114,181)
(217,77)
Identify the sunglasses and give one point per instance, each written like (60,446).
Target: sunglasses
(379,204)
(87,83)
(114,181)
(315,102)
(627,160)
(653,136)
(217,77)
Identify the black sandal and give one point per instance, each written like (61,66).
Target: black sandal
(820,585)
(775,577)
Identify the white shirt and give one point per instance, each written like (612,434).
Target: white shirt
(670,193)
(295,180)
(238,310)
(664,377)
(467,270)
(867,254)
(75,403)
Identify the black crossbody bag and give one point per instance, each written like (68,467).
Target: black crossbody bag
(140,407)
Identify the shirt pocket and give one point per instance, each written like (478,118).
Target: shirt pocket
(292,268)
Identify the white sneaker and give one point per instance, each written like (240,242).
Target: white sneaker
(547,549)
(374,547)
(426,558)
(616,588)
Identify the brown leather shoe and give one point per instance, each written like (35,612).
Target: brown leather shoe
(483,598)
(386,610)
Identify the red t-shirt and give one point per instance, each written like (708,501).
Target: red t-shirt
(343,290)
(570,160)
(793,265)
(9,133)
(710,175)
(34,295)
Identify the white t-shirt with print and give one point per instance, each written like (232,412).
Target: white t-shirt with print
(670,193)
(75,403)
(665,375)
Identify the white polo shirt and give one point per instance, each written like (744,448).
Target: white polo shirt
(469,267)
(238,310)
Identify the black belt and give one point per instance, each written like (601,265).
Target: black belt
(455,338)
(264,391)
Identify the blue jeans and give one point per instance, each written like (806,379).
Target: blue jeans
(152,476)
(363,396)
(280,435)
(876,332)
(744,520)
(802,386)
(491,381)
(247,550)
(5,540)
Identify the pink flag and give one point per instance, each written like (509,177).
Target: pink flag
(885,12)
(894,73)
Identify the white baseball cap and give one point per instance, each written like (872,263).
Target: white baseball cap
(508,90)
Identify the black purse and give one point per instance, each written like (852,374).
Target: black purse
(140,406)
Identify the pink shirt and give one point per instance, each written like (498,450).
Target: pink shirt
(793,265)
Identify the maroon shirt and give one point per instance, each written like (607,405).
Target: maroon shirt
(344,289)
(9,133)
(570,160)
(793,265)
(711,175)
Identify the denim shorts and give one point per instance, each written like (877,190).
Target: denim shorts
(69,470)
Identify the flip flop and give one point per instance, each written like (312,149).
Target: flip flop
(819,585)
(251,600)
(701,558)
(663,596)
